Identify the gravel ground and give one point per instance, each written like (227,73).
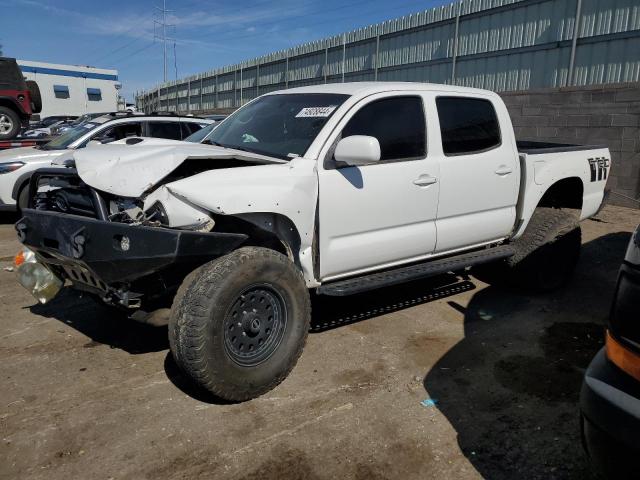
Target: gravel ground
(85,393)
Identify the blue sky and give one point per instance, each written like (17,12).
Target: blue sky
(119,33)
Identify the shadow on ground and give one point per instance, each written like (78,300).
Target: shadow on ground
(510,388)
(8,218)
(102,324)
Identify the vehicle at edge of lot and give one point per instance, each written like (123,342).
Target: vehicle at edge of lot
(329,188)
(19,99)
(610,397)
(17,165)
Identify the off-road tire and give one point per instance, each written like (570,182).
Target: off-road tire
(200,317)
(546,254)
(13,119)
(36,98)
(22,200)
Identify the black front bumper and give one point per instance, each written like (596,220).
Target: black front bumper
(119,260)
(610,406)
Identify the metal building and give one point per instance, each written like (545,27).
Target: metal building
(500,45)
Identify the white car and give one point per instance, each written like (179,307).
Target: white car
(337,188)
(17,165)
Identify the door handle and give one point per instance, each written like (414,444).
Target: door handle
(503,170)
(425,180)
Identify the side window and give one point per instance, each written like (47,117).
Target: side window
(94,94)
(118,132)
(467,125)
(169,130)
(61,91)
(189,128)
(398,123)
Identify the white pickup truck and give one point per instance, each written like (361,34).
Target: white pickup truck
(337,188)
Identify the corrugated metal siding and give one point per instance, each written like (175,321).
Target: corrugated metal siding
(602,17)
(501,45)
(517,71)
(608,62)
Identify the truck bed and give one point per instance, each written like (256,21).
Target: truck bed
(536,148)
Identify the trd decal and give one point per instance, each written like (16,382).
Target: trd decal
(598,168)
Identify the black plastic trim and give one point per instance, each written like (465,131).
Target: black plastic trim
(149,249)
(417,271)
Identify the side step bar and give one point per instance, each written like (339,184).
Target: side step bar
(404,274)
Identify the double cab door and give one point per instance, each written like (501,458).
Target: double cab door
(393,211)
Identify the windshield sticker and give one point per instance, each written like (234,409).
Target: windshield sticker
(316,112)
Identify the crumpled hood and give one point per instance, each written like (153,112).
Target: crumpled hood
(130,170)
(28,155)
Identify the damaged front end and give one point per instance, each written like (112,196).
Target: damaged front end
(117,248)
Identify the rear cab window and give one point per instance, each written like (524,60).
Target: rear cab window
(467,125)
(397,122)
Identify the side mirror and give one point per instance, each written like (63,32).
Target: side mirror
(93,143)
(357,150)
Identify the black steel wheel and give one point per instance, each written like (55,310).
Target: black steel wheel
(255,325)
(239,323)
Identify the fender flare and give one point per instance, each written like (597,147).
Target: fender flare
(17,186)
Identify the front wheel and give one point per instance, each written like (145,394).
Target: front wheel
(239,323)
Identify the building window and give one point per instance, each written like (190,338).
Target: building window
(61,91)
(94,94)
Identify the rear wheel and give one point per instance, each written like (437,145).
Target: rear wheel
(546,254)
(9,123)
(239,323)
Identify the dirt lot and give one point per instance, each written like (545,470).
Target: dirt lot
(86,394)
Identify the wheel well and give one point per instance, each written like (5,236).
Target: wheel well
(4,102)
(267,230)
(19,186)
(566,193)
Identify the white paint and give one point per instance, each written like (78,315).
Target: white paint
(358,150)
(370,216)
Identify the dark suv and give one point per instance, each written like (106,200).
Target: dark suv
(610,397)
(19,99)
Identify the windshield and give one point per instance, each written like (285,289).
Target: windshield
(67,138)
(281,126)
(198,136)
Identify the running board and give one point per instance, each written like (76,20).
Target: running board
(371,281)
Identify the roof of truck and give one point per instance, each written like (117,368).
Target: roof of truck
(369,88)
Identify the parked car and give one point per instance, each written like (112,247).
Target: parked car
(17,165)
(216,117)
(48,121)
(610,397)
(328,188)
(46,127)
(62,128)
(19,99)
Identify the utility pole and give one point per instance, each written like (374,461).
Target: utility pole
(162,25)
